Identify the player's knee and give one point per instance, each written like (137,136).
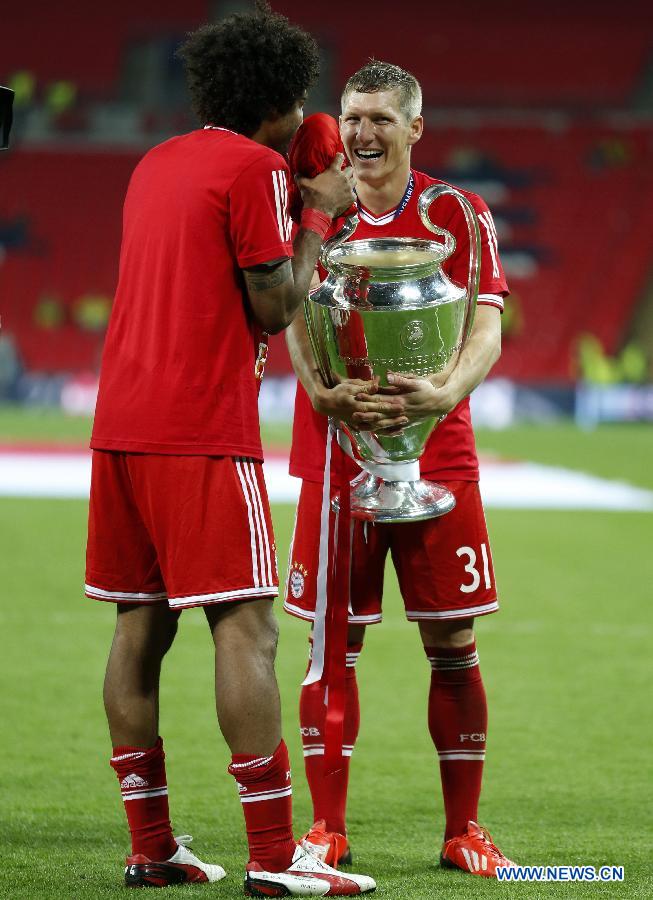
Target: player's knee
(158,642)
(144,635)
(263,635)
(355,634)
(118,708)
(269,639)
(451,634)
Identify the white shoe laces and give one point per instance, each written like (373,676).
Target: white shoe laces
(184,840)
(312,850)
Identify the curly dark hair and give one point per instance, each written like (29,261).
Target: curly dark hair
(248,67)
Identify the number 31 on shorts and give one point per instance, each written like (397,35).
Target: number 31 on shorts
(468,587)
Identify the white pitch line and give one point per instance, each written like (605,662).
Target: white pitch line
(526,485)
(514,485)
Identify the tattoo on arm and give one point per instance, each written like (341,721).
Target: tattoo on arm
(265,279)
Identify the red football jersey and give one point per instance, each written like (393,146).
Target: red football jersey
(183,353)
(450,452)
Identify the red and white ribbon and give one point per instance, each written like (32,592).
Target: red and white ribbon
(328,661)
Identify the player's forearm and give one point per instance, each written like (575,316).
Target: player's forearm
(303,360)
(306,247)
(478,356)
(276,293)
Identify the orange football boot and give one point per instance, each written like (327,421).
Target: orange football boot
(473,852)
(329,846)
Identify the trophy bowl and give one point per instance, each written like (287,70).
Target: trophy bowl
(387,305)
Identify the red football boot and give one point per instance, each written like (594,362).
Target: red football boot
(329,846)
(473,852)
(305,876)
(183,867)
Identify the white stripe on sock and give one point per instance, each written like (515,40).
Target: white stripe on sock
(140,795)
(265,795)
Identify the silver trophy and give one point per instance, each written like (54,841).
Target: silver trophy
(386,305)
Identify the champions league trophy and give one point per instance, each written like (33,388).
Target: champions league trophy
(386,305)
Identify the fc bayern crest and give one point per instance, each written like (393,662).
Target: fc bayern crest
(414,334)
(297,580)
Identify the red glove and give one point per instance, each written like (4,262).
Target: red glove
(312,150)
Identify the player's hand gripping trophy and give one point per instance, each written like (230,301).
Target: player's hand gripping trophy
(386,305)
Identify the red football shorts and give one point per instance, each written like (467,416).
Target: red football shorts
(192,530)
(444,565)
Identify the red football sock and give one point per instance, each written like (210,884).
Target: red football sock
(458,725)
(329,793)
(266,794)
(142,776)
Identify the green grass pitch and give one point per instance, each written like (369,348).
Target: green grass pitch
(566,665)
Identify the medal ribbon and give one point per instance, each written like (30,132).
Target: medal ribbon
(316,668)
(328,659)
(339,602)
(403,203)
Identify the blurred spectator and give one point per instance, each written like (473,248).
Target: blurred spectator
(11,367)
(66,113)
(512,320)
(14,233)
(595,367)
(49,313)
(634,364)
(613,152)
(465,159)
(91,312)
(60,96)
(23,84)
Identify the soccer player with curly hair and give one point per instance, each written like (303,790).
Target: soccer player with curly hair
(179,515)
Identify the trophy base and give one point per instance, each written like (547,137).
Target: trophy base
(376,500)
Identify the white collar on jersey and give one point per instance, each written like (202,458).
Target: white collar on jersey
(367,216)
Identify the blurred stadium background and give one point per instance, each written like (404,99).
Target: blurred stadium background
(547,111)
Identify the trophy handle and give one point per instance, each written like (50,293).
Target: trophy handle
(427,198)
(348,228)
(317,345)
(310,312)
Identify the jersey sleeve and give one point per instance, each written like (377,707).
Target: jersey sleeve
(492,283)
(260,225)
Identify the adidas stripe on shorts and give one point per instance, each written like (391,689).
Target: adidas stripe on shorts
(192,530)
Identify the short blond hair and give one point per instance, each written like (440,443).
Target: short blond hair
(382,76)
